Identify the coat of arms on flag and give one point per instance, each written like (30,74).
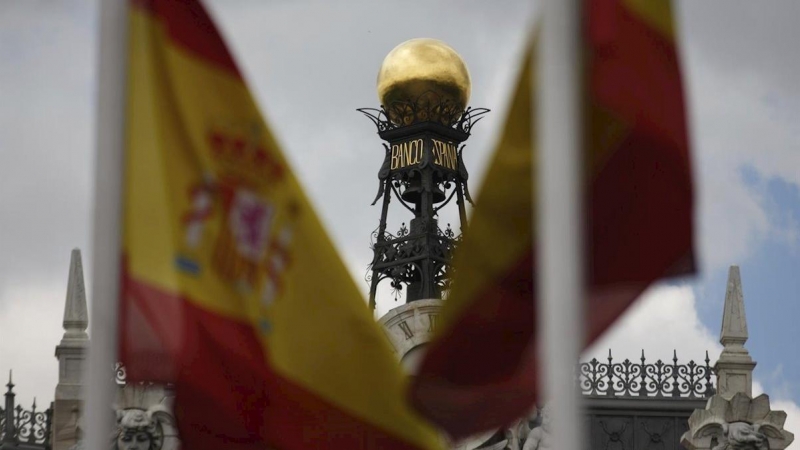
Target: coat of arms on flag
(249,220)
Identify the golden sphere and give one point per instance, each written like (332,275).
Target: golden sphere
(423,65)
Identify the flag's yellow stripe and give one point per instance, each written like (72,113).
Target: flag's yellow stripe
(148,228)
(172,153)
(656,13)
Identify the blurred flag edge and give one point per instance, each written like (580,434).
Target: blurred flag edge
(482,370)
(228,286)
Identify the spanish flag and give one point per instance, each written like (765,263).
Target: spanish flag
(231,289)
(480,372)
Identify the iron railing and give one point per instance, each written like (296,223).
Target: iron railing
(642,379)
(22,427)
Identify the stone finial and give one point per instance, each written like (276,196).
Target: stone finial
(76,317)
(71,354)
(734,321)
(734,368)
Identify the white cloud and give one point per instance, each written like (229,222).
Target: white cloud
(732,132)
(792,417)
(780,401)
(743,107)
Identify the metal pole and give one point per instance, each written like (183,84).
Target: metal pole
(559,241)
(111,100)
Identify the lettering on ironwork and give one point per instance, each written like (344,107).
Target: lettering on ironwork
(445,154)
(407,154)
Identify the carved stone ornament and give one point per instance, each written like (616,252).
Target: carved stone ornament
(144,419)
(740,423)
(539,437)
(137,430)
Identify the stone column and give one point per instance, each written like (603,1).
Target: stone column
(734,368)
(71,353)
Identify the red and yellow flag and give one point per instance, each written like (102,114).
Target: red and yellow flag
(481,370)
(231,288)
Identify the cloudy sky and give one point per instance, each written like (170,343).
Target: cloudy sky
(311,63)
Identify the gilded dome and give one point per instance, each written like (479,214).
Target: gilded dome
(423,65)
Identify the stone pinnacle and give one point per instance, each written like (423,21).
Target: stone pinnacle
(76,317)
(734,321)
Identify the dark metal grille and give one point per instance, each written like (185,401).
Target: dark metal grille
(19,426)
(398,257)
(643,379)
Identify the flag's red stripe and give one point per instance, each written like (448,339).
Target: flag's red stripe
(227,396)
(641,199)
(189,25)
(634,74)
(226,375)
(481,373)
(641,207)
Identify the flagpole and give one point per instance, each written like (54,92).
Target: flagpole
(111,98)
(559,243)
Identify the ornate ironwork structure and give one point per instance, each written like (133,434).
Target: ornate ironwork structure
(21,428)
(423,168)
(643,379)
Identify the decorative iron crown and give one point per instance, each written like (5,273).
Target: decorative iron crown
(429,107)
